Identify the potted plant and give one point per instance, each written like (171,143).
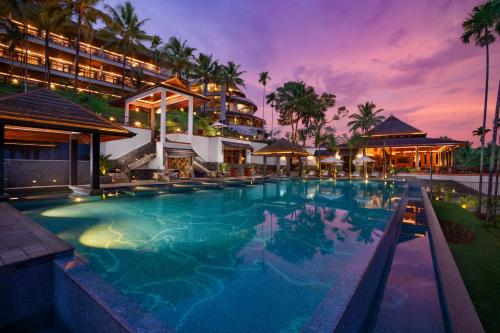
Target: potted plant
(223,168)
(104,167)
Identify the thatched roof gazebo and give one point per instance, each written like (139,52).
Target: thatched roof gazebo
(281,148)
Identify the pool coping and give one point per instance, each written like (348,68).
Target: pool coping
(349,312)
(459,312)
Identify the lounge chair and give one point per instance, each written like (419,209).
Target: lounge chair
(375,174)
(341,174)
(355,174)
(325,173)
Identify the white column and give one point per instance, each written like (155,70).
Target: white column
(190,119)
(163,116)
(163,119)
(127,111)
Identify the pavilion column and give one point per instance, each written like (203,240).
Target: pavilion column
(127,112)
(288,165)
(278,164)
(152,123)
(264,165)
(2,161)
(190,119)
(417,159)
(73,160)
(95,153)
(163,129)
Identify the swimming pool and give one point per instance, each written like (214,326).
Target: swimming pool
(252,259)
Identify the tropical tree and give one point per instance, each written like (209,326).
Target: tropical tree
(355,141)
(204,71)
(491,205)
(81,9)
(229,77)
(88,24)
(125,32)
(467,156)
(22,10)
(178,57)
(480,131)
(156,43)
(293,101)
(12,37)
(271,100)
(264,78)
(479,26)
(50,17)
(366,118)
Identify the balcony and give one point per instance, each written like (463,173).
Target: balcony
(86,49)
(64,67)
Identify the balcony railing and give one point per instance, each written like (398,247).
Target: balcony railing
(90,49)
(67,67)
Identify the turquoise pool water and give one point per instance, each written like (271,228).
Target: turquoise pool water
(255,259)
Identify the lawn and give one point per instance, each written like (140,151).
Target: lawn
(478,262)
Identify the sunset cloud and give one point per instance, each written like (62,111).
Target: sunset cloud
(406,56)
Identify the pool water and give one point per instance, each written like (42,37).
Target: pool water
(254,259)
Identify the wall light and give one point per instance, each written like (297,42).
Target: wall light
(137,123)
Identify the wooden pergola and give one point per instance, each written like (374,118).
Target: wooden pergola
(281,148)
(44,116)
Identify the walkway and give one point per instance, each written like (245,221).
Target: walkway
(22,239)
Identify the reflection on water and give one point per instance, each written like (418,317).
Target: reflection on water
(270,251)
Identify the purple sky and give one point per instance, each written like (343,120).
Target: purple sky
(406,56)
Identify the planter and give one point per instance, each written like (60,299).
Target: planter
(106,179)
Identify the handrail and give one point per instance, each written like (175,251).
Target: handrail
(458,308)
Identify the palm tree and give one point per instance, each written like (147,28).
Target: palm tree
(81,9)
(355,141)
(479,26)
(271,100)
(491,206)
(22,10)
(480,131)
(156,42)
(229,77)
(467,156)
(13,37)
(293,102)
(204,71)
(263,79)
(178,57)
(50,17)
(366,118)
(126,31)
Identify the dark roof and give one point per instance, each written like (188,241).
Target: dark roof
(174,83)
(393,126)
(42,108)
(237,145)
(282,147)
(414,141)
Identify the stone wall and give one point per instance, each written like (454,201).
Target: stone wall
(22,173)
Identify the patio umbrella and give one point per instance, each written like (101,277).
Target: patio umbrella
(218,125)
(363,159)
(332,159)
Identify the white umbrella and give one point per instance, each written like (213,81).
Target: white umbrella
(218,125)
(332,159)
(363,159)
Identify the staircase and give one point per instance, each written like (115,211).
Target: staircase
(133,160)
(199,168)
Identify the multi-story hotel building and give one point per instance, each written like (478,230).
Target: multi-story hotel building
(234,109)
(100,69)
